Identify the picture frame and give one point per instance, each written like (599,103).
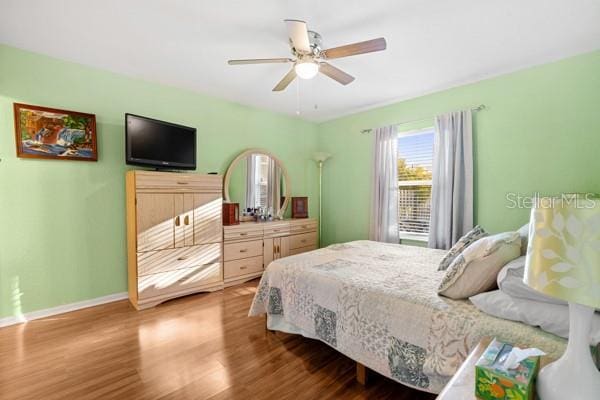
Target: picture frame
(231,214)
(52,133)
(299,207)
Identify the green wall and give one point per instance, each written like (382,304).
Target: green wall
(62,235)
(540,133)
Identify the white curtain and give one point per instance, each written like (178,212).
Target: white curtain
(452,179)
(251,164)
(274,186)
(384,194)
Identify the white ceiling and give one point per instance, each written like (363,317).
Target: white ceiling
(432,44)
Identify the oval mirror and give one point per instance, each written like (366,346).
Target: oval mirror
(258,179)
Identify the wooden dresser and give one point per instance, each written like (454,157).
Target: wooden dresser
(174,235)
(250,246)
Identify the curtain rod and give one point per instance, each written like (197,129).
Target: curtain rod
(476,108)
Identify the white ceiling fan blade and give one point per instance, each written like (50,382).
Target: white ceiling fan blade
(259,61)
(298,33)
(368,46)
(287,79)
(335,73)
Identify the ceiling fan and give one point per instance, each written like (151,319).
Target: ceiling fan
(309,59)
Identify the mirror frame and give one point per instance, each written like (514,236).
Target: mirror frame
(245,154)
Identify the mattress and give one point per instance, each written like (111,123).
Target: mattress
(377,304)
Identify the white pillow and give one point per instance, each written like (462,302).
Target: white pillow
(553,318)
(524,233)
(470,237)
(476,269)
(510,281)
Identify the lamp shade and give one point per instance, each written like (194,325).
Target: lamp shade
(321,156)
(563,255)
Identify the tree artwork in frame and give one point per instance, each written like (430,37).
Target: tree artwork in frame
(43,132)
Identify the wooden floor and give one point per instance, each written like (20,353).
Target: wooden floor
(198,347)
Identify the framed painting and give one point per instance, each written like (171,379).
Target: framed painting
(43,132)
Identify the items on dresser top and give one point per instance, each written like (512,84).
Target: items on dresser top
(231,213)
(258,180)
(251,246)
(174,235)
(258,214)
(299,207)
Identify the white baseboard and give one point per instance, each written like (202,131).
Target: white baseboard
(18,319)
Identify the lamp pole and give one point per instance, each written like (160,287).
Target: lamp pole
(320,158)
(320,200)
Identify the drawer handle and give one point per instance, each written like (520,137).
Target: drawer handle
(177,221)
(244,234)
(186,220)
(183,183)
(243,250)
(181,279)
(303,241)
(243,267)
(275,230)
(182,258)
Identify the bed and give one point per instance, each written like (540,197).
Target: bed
(377,304)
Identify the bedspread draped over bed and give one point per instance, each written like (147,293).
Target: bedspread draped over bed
(377,304)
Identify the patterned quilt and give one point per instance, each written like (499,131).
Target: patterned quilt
(377,304)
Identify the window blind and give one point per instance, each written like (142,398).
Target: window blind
(415,158)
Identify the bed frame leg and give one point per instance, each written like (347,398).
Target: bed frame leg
(266,328)
(361,373)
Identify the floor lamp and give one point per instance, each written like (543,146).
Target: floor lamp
(320,158)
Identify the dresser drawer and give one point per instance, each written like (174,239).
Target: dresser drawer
(302,250)
(304,226)
(235,251)
(278,229)
(180,182)
(152,262)
(179,280)
(241,234)
(245,266)
(303,240)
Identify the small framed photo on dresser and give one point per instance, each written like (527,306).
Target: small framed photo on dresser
(299,207)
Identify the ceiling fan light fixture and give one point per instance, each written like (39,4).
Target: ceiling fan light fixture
(306,69)
(310,59)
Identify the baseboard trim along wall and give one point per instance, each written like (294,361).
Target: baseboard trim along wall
(65,308)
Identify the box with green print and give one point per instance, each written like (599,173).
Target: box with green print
(494,381)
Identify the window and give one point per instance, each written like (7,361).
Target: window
(261,178)
(415,156)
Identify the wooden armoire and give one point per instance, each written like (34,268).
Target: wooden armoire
(174,235)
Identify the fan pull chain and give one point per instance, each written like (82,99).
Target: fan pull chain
(297,96)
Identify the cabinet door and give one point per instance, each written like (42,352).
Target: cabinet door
(208,224)
(284,246)
(155,221)
(268,251)
(276,248)
(188,219)
(178,229)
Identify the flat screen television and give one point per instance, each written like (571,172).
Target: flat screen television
(159,144)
